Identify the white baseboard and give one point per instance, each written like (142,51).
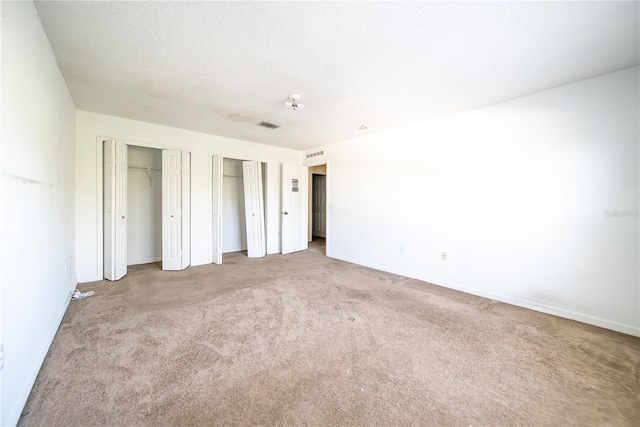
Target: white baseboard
(88,279)
(18,407)
(531,305)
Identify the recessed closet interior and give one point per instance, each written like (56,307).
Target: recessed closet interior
(234,229)
(234,224)
(144,205)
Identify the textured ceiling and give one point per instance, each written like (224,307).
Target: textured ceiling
(223,67)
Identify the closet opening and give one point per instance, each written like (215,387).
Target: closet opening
(234,224)
(243,215)
(144,205)
(146,209)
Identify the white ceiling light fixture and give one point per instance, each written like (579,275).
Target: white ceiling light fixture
(293,102)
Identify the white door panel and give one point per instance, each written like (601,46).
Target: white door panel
(254,209)
(121,209)
(294,208)
(109,216)
(186,210)
(171,209)
(115,209)
(216,246)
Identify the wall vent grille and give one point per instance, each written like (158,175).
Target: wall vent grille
(316,154)
(268,125)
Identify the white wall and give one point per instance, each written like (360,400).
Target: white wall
(90,126)
(516,193)
(144,205)
(37,250)
(234,228)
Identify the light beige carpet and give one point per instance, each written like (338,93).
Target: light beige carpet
(306,340)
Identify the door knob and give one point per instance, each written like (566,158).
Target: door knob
(171,216)
(286,213)
(122,217)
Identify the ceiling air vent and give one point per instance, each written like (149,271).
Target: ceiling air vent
(268,125)
(316,154)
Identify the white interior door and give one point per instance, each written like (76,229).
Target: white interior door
(171,209)
(254,209)
(186,210)
(216,246)
(295,216)
(115,209)
(319,206)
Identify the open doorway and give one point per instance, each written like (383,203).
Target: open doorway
(318,208)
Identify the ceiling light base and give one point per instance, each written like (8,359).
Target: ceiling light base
(293,102)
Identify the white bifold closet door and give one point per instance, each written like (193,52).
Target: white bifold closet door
(254,209)
(186,209)
(115,209)
(295,217)
(176,212)
(216,245)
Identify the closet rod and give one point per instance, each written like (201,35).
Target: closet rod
(145,169)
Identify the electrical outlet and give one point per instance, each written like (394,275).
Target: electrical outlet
(401,249)
(443,256)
